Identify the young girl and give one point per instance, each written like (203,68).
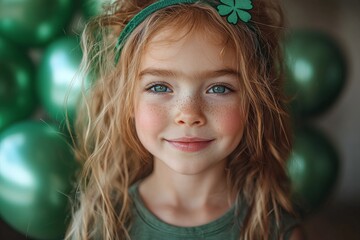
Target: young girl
(184,134)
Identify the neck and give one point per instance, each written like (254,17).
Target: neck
(186,199)
(190,191)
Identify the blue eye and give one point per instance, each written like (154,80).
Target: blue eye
(219,89)
(159,88)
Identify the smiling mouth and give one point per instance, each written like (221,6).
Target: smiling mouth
(190,144)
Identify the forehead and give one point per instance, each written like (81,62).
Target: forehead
(188,46)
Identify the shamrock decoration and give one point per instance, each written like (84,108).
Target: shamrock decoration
(235,10)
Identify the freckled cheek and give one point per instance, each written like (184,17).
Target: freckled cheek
(229,119)
(150,117)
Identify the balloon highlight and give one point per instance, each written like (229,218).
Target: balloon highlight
(37,171)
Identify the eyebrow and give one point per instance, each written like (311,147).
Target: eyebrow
(202,75)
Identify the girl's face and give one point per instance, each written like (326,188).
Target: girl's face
(188,103)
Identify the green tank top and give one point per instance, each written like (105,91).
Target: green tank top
(146,226)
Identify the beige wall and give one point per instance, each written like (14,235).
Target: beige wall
(341,19)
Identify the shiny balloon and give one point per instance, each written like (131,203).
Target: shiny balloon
(92,8)
(313,168)
(315,69)
(59,85)
(36,176)
(34,22)
(17,85)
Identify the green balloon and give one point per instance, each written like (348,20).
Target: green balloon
(34,22)
(17,92)
(36,176)
(58,87)
(315,70)
(313,168)
(92,8)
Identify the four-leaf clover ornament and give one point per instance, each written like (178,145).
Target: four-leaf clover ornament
(235,10)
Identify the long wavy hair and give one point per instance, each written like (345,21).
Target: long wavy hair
(106,141)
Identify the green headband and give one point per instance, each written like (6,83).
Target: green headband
(233,9)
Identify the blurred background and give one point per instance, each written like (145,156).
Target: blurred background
(39,57)
(338,217)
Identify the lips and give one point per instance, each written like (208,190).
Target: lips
(190,144)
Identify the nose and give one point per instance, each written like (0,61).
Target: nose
(190,113)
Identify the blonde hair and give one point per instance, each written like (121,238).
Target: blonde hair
(105,137)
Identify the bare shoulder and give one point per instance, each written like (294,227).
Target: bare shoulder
(298,233)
